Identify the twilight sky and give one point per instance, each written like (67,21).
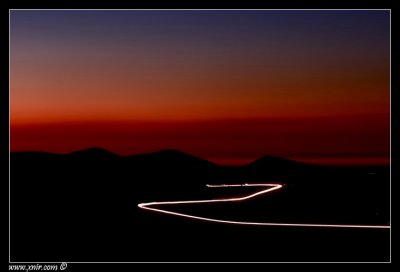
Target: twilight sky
(229,86)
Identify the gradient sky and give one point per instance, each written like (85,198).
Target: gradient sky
(228,86)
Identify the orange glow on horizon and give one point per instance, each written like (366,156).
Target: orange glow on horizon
(223,85)
(338,139)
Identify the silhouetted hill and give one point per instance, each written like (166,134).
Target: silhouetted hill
(181,165)
(33,155)
(93,153)
(89,200)
(275,167)
(171,158)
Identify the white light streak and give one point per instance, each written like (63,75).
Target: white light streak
(272,187)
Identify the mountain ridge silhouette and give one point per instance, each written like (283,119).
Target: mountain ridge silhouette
(162,154)
(89,199)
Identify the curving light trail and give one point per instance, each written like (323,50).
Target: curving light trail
(272,187)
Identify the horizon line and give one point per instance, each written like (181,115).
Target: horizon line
(309,159)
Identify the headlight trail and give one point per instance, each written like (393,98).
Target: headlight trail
(272,187)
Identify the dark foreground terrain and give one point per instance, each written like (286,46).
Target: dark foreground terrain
(83,207)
